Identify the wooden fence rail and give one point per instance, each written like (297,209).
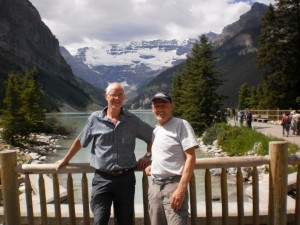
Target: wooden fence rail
(277,213)
(268,114)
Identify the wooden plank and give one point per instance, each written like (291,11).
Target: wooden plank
(43,199)
(255,192)
(224,196)
(278,181)
(71,202)
(85,199)
(56,200)
(29,200)
(193,199)
(240,194)
(208,197)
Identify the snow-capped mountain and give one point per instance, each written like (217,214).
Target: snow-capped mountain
(133,63)
(155,54)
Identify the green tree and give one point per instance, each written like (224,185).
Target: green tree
(244,95)
(2,93)
(12,121)
(32,102)
(177,94)
(253,99)
(199,101)
(259,97)
(279,55)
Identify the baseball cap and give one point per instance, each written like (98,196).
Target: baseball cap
(162,96)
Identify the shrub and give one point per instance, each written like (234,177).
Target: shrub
(241,140)
(54,126)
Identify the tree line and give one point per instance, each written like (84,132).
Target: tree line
(279,59)
(195,89)
(23,110)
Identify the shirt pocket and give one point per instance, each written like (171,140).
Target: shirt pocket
(127,139)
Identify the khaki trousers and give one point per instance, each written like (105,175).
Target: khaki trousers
(160,194)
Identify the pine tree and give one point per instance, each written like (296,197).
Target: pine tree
(2,93)
(199,101)
(279,55)
(244,95)
(253,99)
(12,121)
(177,94)
(32,102)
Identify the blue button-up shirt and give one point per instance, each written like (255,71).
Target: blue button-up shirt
(113,145)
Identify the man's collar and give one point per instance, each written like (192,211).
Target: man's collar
(123,112)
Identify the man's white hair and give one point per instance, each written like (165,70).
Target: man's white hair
(111,85)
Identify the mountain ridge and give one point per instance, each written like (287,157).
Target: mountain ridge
(134,63)
(236,50)
(26,42)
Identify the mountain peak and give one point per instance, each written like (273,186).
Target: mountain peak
(133,62)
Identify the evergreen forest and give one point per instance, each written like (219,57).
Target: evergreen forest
(279,59)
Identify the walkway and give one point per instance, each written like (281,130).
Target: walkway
(272,130)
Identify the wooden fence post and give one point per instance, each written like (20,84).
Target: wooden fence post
(145,185)
(278,151)
(10,187)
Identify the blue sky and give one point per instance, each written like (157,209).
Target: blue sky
(78,23)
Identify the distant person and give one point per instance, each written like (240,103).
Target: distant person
(113,132)
(173,162)
(298,126)
(295,115)
(249,118)
(241,116)
(285,123)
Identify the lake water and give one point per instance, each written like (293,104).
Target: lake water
(78,120)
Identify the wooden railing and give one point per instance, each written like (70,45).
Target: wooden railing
(269,114)
(276,213)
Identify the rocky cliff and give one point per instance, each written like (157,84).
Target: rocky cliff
(26,42)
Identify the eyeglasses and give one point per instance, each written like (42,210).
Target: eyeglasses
(116,95)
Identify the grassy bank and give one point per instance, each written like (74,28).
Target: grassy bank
(238,141)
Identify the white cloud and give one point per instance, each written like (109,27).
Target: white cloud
(78,23)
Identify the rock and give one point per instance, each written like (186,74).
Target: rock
(292,181)
(42,158)
(216,172)
(216,198)
(36,162)
(232,171)
(215,142)
(22,189)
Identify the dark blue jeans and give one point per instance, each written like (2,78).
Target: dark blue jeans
(119,190)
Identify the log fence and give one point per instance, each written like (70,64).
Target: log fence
(41,212)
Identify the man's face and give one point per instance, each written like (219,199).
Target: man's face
(115,97)
(162,110)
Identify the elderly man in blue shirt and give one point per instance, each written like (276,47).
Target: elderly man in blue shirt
(112,132)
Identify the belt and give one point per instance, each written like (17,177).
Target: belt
(167,180)
(114,173)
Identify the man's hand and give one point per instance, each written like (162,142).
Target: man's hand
(76,146)
(143,162)
(60,163)
(148,170)
(177,199)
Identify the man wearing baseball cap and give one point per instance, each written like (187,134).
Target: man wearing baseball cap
(173,163)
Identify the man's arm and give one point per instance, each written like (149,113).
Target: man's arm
(188,170)
(75,147)
(144,161)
